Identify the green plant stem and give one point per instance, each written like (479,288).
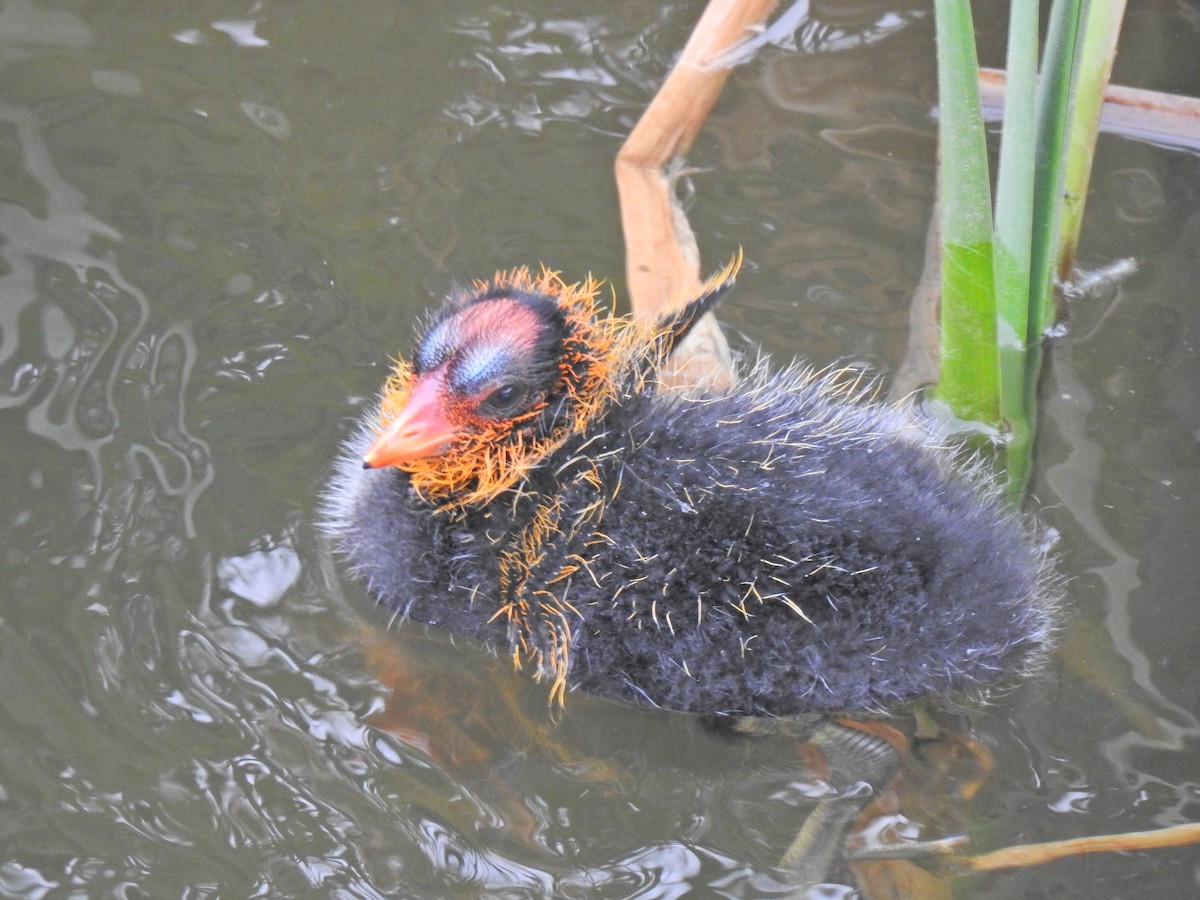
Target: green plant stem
(970,370)
(1101,28)
(1053,111)
(1014,230)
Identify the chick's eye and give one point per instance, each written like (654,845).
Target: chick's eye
(503,399)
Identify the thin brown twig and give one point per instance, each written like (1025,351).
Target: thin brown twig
(1023,855)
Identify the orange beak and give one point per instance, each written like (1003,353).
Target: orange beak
(419,431)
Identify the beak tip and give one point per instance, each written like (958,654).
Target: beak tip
(374,459)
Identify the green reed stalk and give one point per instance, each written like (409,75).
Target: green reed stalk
(997,282)
(1014,242)
(970,368)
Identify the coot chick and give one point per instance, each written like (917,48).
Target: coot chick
(781,547)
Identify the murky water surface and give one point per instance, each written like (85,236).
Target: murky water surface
(219,220)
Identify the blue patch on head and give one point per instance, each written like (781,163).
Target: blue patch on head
(435,348)
(478,367)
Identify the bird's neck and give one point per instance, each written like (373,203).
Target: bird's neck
(564,504)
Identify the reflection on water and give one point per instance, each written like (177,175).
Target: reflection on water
(216,226)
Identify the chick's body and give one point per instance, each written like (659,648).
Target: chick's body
(774,549)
